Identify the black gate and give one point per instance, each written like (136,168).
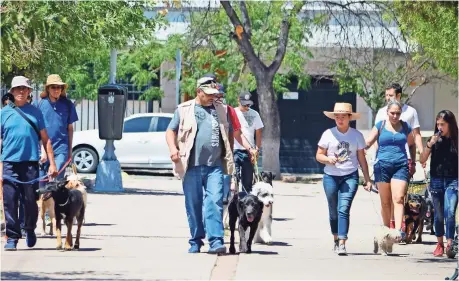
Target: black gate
(302,123)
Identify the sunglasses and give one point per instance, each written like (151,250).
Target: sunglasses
(56,87)
(247,105)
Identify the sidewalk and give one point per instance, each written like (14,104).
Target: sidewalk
(143,234)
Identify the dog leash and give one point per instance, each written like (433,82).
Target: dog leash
(39,179)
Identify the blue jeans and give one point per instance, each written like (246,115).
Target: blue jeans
(340,192)
(12,191)
(444,197)
(203,188)
(244,169)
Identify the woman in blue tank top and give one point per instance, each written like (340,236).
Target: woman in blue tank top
(391,169)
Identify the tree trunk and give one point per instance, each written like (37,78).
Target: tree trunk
(269,113)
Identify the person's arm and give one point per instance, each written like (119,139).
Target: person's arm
(372,137)
(70,132)
(48,147)
(171,136)
(258,130)
(321,157)
(427,151)
(363,163)
(73,117)
(240,138)
(412,148)
(258,135)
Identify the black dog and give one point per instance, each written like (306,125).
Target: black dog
(69,203)
(429,219)
(415,213)
(268,177)
(248,209)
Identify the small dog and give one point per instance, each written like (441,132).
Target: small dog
(415,213)
(248,209)
(264,192)
(70,201)
(385,238)
(429,218)
(46,203)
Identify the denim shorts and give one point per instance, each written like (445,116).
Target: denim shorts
(385,171)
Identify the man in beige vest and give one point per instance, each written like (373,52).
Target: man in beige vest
(198,139)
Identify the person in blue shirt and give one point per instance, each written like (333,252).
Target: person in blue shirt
(59,114)
(19,161)
(391,168)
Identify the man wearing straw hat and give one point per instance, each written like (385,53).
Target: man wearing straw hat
(59,114)
(22,127)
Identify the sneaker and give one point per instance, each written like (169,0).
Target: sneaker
(336,247)
(342,250)
(449,251)
(217,249)
(402,240)
(439,250)
(47,220)
(11,244)
(194,249)
(31,239)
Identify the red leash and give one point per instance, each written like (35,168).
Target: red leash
(62,169)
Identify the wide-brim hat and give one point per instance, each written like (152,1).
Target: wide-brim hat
(54,79)
(19,81)
(342,108)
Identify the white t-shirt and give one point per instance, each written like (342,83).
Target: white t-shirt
(409,115)
(250,122)
(344,147)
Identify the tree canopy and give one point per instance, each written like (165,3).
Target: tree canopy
(433,25)
(44,37)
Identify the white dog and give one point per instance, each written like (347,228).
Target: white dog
(264,192)
(385,239)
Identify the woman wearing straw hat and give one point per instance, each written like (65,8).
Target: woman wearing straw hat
(341,149)
(22,127)
(59,114)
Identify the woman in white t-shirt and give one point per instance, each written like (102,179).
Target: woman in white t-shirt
(341,149)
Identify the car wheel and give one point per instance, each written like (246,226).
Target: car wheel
(85,159)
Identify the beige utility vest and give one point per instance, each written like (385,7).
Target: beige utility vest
(187,133)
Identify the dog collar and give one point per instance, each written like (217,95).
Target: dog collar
(66,202)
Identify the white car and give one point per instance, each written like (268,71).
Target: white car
(143,145)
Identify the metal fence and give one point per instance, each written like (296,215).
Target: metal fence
(87,109)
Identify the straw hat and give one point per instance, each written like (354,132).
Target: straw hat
(54,79)
(342,108)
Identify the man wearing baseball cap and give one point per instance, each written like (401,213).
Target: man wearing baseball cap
(238,136)
(22,128)
(251,126)
(199,142)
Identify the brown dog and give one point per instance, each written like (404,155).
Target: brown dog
(46,203)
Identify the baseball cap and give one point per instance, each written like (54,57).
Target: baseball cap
(19,81)
(221,89)
(207,85)
(245,98)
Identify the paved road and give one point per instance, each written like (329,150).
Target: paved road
(142,235)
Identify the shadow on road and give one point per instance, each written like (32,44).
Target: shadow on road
(70,275)
(282,219)
(54,249)
(139,191)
